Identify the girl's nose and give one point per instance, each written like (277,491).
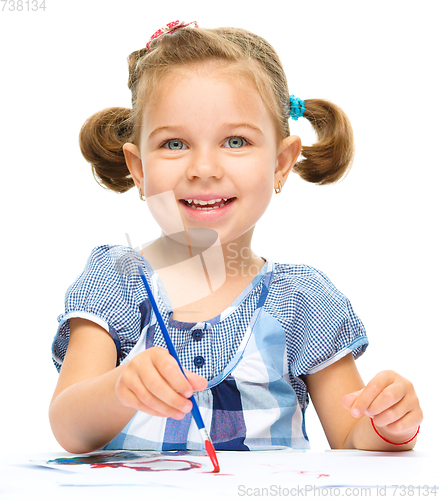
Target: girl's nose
(204,164)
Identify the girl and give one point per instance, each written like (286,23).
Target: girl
(206,143)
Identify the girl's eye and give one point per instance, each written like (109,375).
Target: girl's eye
(175,145)
(235,142)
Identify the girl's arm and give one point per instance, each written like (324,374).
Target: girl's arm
(94,400)
(388,397)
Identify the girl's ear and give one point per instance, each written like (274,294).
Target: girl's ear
(289,151)
(134,162)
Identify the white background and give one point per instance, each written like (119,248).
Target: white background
(374,234)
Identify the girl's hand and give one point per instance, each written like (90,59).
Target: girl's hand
(391,401)
(152,382)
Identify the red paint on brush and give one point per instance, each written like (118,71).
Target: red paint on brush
(212,454)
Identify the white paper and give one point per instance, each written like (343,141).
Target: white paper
(247,471)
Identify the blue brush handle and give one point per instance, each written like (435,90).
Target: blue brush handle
(195,410)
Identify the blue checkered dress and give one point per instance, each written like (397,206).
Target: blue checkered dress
(289,322)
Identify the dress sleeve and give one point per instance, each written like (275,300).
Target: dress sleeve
(104,295)
(324,325)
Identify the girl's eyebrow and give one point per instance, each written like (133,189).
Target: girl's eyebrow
(225,125)
(160,129)
(242,125)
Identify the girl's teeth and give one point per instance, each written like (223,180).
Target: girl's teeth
(208,208)
(203,203)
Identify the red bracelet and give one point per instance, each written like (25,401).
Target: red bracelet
(390,442)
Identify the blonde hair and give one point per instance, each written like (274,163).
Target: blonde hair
(103,134)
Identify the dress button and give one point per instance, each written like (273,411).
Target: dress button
(199,361)
(197,334)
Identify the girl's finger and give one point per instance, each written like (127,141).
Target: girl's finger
(389,399)
(391,415)
(197,382)
(371,392)
(349,399)
(408,424)
(157,393)
(128,398)
(168,368)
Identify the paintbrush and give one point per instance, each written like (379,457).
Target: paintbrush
(195,410)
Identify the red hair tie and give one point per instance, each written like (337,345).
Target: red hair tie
(390,442)
(169,29)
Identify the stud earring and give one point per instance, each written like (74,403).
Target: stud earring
(279,189)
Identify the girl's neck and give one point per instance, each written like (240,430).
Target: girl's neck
(234,261)
(202,280)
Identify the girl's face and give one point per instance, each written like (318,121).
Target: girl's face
(209,139)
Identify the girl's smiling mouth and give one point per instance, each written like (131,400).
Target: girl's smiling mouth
(207,205)
(208,209)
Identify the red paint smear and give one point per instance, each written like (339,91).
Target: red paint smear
(148,466)
(213,472)
(301,472)
(212,454)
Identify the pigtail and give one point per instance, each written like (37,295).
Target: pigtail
(330,158)
(101,139)
(134,67)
